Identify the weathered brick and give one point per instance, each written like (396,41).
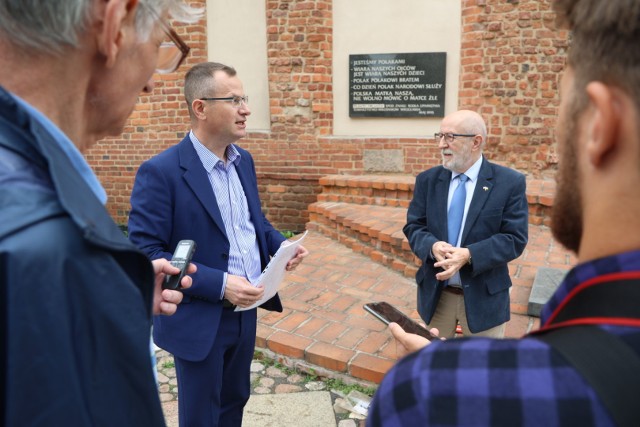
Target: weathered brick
(511,58)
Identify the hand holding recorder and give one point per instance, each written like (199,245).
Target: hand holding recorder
(165,301)
(169,282)
(181,259)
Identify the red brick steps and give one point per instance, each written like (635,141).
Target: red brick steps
(375,231)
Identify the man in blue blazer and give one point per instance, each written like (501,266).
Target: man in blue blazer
(464,276)
(205,189)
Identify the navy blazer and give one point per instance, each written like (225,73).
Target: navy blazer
(172,199)
(495,232)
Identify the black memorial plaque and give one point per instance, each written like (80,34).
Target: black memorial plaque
(397,85)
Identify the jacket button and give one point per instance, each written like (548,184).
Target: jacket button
(225,256)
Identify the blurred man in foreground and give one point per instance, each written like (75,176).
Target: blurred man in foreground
(78,295)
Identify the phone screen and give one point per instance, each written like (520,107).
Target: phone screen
(388,313)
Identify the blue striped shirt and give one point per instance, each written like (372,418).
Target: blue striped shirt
(244,255)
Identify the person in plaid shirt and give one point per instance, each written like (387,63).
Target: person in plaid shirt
(482,381)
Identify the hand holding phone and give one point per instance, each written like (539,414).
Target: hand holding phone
(387,313)
(181,259)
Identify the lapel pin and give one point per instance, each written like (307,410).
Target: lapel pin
(485,188)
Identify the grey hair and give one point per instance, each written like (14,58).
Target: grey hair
(479,127)
(54,25)
(473,123)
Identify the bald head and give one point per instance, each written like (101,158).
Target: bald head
(468,122)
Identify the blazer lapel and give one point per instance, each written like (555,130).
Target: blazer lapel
(480,197)
(196,178)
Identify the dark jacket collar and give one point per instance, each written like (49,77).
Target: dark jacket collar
(21,134)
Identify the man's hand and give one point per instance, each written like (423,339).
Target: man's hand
(301,252)
(441,249)
(241,292)
(454,260)
(408,343)
(165,301)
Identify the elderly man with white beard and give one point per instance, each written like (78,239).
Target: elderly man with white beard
(467,220)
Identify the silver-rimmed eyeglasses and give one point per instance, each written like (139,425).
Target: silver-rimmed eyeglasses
(449,137)
(236,101)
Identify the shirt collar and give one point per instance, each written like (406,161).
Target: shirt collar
(471,173)
(68,147)
(210,160)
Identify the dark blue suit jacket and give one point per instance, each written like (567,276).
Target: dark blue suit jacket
(172,199)
(495,232)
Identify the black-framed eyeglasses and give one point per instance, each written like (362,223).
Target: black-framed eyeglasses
(171,54)
(236,101)
(449,137)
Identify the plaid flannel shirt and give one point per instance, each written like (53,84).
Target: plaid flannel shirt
(489,382)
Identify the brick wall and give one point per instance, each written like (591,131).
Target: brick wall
(511,58)
(158,121)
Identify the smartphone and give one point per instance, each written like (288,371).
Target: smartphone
(181,259)
(387,313)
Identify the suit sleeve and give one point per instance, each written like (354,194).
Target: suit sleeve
(417,229)
(274,237)
(151,216)
(154,212)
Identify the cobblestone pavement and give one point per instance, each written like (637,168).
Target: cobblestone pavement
(266,378)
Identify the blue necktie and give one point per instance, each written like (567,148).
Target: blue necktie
(456,210)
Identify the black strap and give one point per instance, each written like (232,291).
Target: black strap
(615,298)
(604,360)
(607,363)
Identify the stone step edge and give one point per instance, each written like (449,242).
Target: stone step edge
(359,199)
(381,182)
(301,365)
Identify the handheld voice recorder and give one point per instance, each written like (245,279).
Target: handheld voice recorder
(181,259)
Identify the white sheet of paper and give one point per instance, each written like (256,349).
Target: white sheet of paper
(273,274)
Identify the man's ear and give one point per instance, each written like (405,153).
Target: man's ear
(477,142)
(602,122)
(197,106)
(114,15)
